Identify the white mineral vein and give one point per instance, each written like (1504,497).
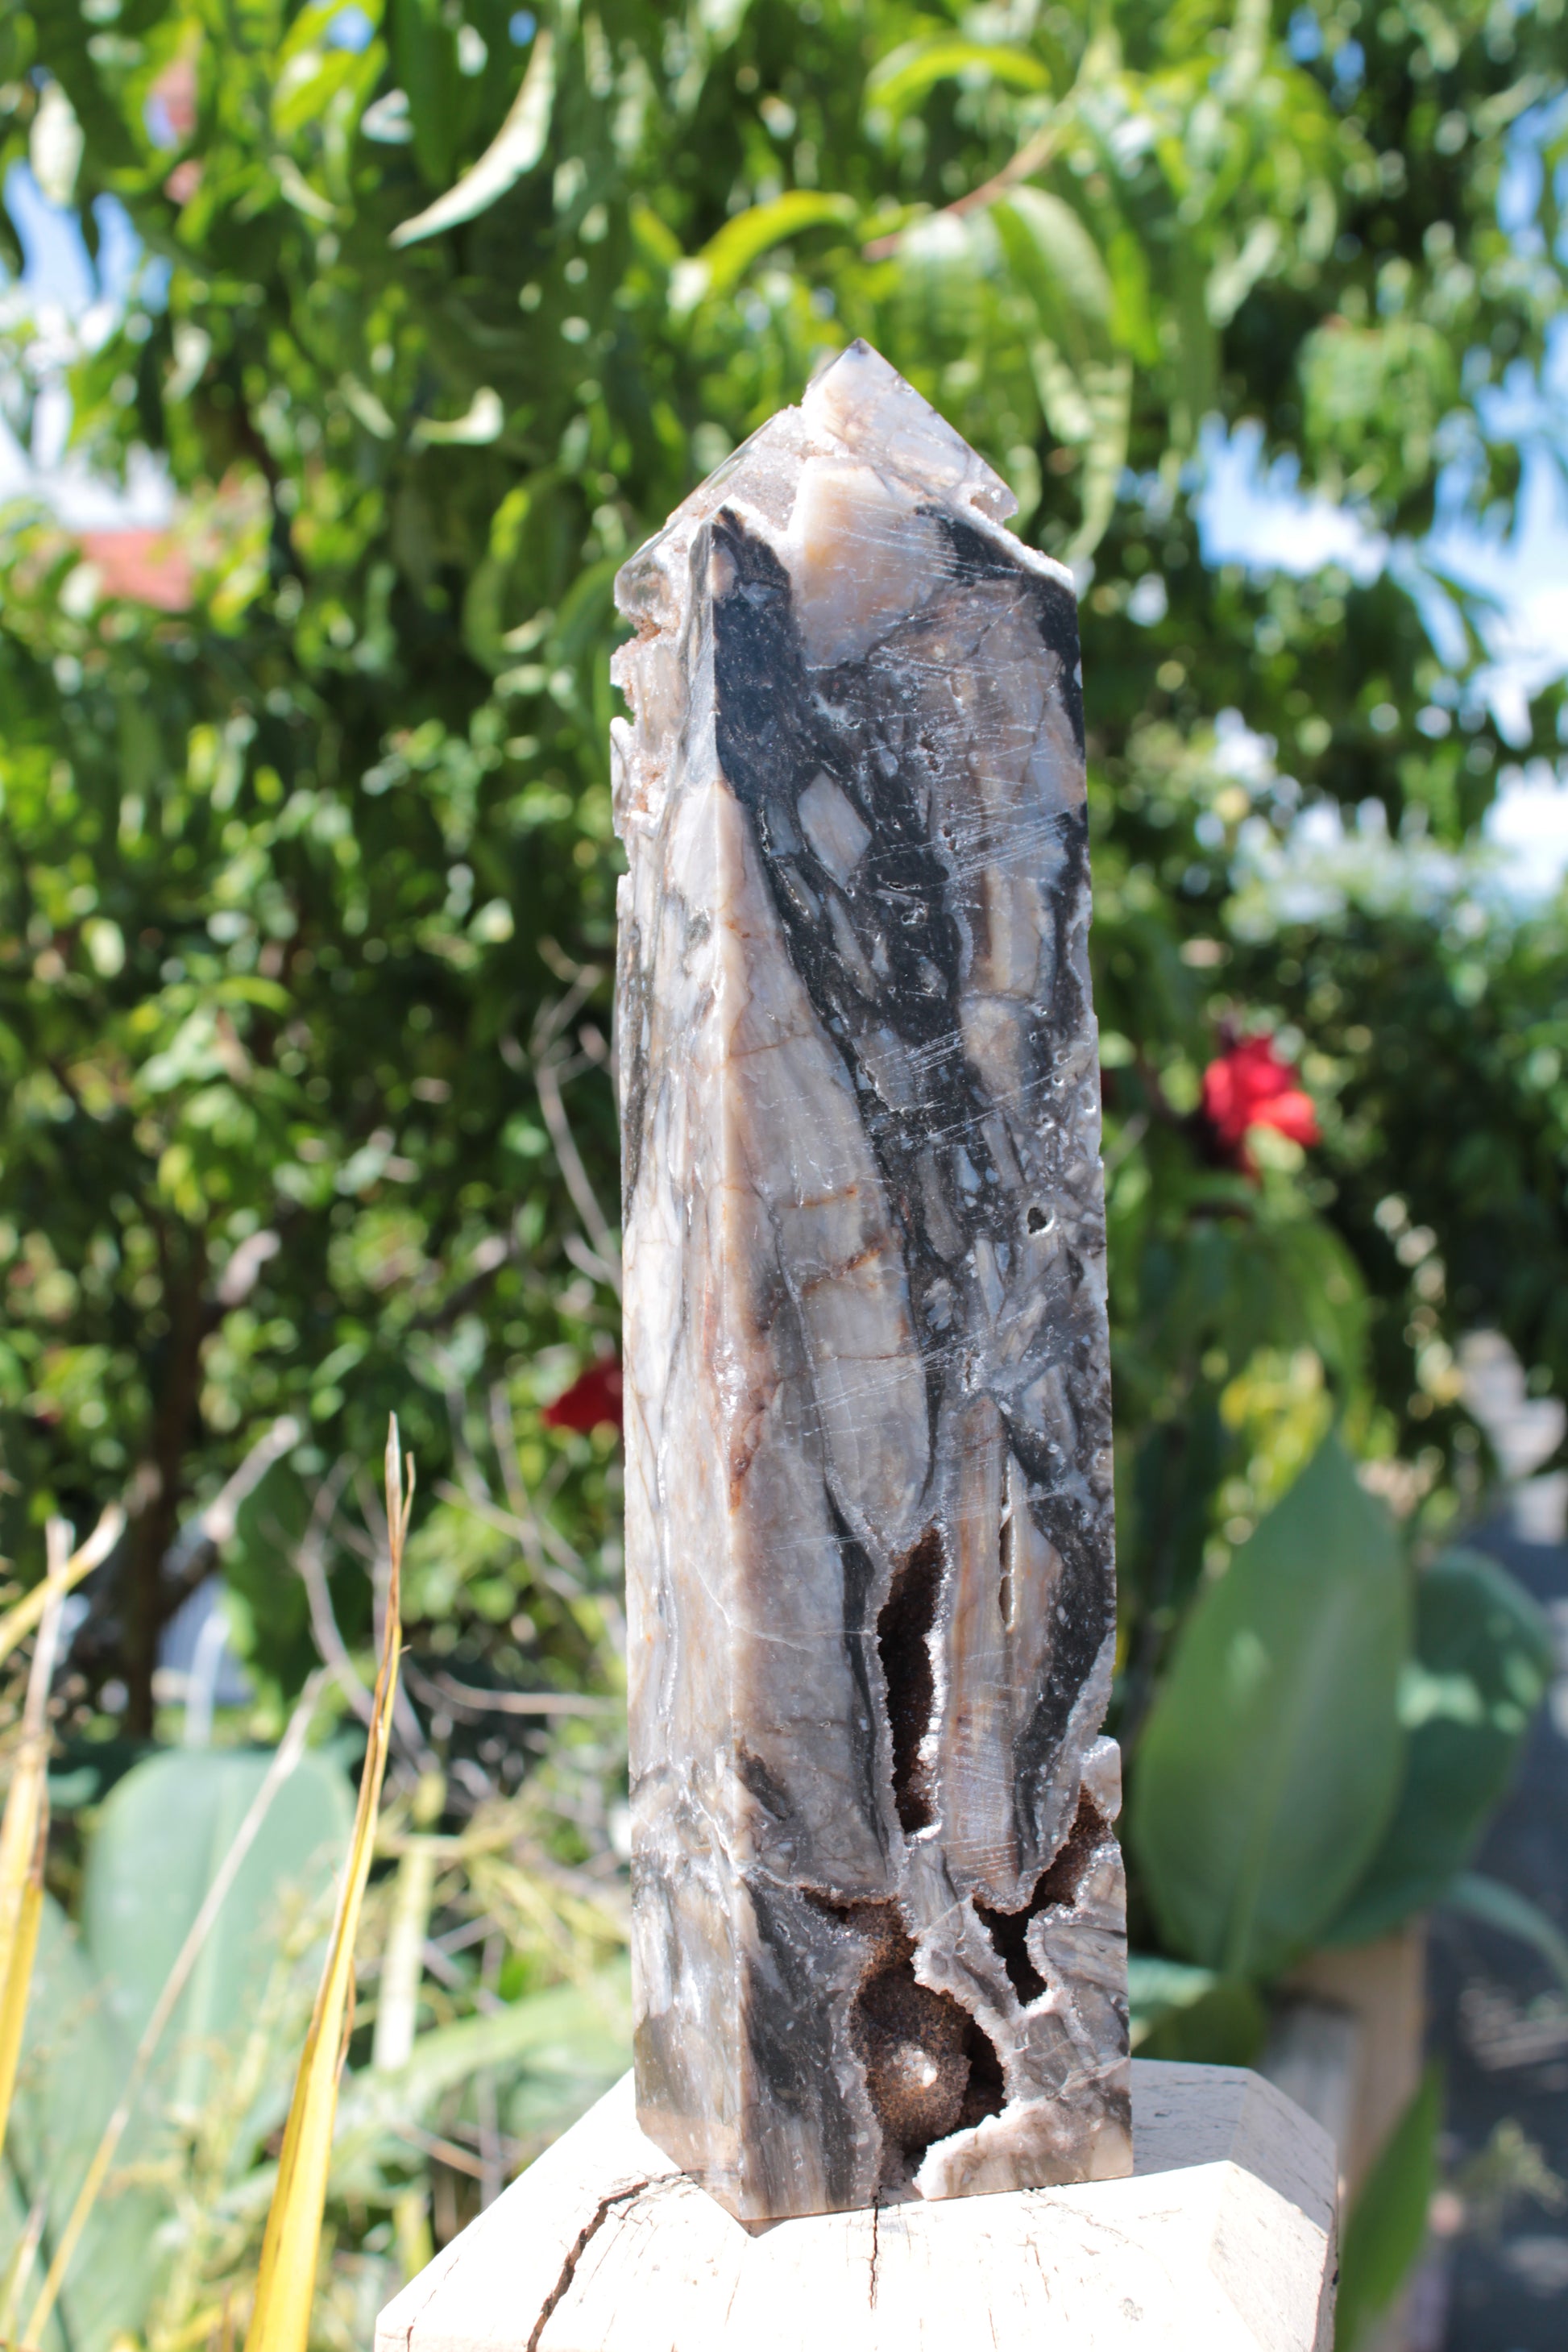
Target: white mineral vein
(880,1939)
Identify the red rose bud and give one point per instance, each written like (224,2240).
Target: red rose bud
(1251,1087)
(593,1397)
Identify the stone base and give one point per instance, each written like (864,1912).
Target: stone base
(1223,2240)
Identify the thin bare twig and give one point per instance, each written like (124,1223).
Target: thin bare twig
(532,1532)
(311,1560)
(438,1965)
(447,2150)
(586,1260)
(550,1067)
(457,1939)
(474,1779)
(503,1437)
(602,1241)
(492,2175)
(472,1698)
(580,978)
(493,1516)
(474,1481)
(1032,157)
(1131,1136)
(190,1555)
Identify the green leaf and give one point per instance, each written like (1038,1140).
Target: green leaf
(726,257)
(1196,391)
(901,80)
(1156,1984)
(426,57)
(163,1831)
(1387,2224)
(1512,1914)
(562,2047)
(1236,274)
(1058,262)
(1271,1759)
(1192,2014)
(1132,322)
(516,148)
(1109,391)
(1085,386)
(1226,2026)
(1483,1660)
(73,2062)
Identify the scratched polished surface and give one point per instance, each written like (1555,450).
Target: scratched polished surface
(880,1936)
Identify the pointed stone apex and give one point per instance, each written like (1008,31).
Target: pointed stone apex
(846,484)
(864,405)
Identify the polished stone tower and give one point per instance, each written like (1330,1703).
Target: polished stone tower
(879,1942)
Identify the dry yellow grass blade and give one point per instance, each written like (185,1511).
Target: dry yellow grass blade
(19,2269)
(18,1978)
(19,1622)
(286,2281)
(26,1823)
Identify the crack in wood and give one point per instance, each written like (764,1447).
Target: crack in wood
(575,2252)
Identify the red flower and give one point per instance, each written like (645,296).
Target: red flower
(594,1396)
(1249,1086)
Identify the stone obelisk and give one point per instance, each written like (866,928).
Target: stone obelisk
(879,1942)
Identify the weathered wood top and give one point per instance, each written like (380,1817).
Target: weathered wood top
(1223,2240)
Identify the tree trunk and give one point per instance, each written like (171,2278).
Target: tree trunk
(148,1601)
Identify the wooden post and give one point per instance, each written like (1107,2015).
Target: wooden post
(1222,2240)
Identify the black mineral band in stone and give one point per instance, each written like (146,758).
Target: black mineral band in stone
(879,1939)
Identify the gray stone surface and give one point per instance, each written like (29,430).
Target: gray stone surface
(879,1943)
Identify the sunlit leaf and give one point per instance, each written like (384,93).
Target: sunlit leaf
(1179,2011)
(515,149)
(726,257)
(900,80)
(1055,258)
(161,1838)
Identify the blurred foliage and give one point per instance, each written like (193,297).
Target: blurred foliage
(1326,1748)
(307,899)
(170,2252)
(1270,1761)
(1387,2228)
(1480,1663)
